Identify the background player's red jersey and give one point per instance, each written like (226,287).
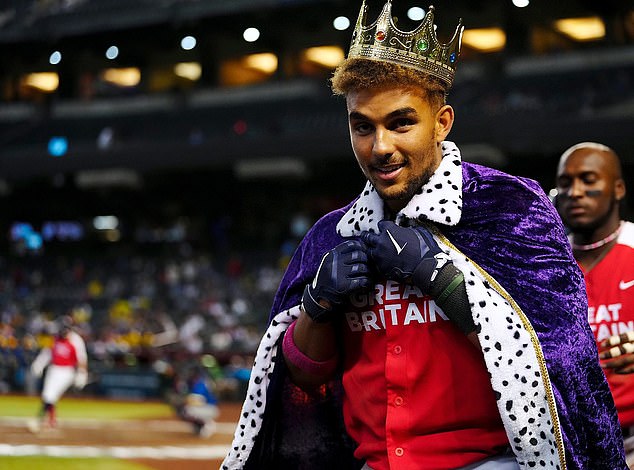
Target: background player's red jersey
(610,288)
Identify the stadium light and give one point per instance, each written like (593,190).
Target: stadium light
(265,62)
(485,39)
(43,81)
(326,56)
(55,58)
(251,34)
(188,43)
(112,52)
(416,13)
(57,146)
(582,29)
(105,222)
(126,77)
(341,23)
(189,70)
(521,3)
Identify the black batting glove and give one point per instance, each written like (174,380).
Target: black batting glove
(411,255)
(343,271)
(405,254)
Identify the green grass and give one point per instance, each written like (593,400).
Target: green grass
(60,463)
(72,408)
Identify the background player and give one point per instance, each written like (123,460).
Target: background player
(67,363)
(590,191)
(195,402)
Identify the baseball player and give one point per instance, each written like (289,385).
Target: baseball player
(438,321)
(591,191)
(201,405)
(67,363)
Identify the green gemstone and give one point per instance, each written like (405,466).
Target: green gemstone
(422,45)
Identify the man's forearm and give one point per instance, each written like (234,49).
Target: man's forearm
(310,352)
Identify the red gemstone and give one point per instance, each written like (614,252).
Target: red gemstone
(380,35)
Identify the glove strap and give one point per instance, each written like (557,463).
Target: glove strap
(455,282)
(317,312)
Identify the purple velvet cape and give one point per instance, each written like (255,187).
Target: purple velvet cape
(510,228)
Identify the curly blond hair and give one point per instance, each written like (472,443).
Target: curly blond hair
(356,74)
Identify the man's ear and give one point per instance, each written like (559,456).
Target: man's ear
(619,189)
(444,122)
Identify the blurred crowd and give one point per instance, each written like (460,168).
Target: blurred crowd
(587,93)
(167,314)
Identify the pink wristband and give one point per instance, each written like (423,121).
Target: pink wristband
(301,360)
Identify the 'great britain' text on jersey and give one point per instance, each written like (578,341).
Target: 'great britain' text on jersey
(392,304)
(605,321)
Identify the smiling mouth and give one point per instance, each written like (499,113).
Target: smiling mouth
(389,168)
(388,173)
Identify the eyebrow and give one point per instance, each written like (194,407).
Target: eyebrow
(406,111)
(581,174)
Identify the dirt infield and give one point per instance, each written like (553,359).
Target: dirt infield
(159,443)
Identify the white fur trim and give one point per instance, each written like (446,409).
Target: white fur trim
(255,401)
(439,200)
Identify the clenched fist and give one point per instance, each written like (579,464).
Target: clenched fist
(342,272)
(405,254)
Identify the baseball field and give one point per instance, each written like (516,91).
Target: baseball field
(109,435)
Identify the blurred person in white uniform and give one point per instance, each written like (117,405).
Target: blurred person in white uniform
(66,364)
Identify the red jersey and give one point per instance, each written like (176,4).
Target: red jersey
(68,351)
(415,385)
(610,288)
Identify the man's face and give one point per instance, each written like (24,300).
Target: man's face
(586,185)
(396,139)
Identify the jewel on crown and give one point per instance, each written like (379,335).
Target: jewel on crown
(418,49)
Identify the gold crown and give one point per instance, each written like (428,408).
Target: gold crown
(418,49)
